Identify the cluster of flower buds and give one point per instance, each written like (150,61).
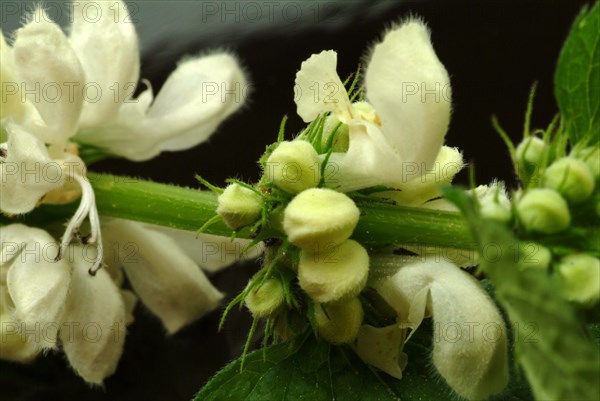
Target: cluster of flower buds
(565,188)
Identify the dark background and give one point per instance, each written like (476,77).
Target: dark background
(493,50)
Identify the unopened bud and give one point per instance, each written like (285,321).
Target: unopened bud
(591,157)
(265,298)
(531,151)
(543,210)
(335,272)
(339,322)
(533,256)
(294,166)
(580,278)
(239,206)
(320,216)
(571,177)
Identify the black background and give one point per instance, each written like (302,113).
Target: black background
(493,50)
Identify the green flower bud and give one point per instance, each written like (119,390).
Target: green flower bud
(579,276)
(533,256)
(239,206)
(531,151)
(543,210)
(264,299)
(339,322)
(571,177)
(342,136)
(591,157)
(294,166)
(334,272)
(320,216)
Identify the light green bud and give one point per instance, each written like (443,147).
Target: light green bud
(533,256)
(591,157)
(570,177)
(264,299)
(339,322)
(543,210)
(334,272)
(580,278)
(531,151)
(294,166)
(319,216)
(342,136)
(239,206)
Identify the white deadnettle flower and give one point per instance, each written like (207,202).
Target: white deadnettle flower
(470,340)
(398,134)
(102,55)
(43,301)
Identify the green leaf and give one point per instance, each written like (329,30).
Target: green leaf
(577,77)
(316,371)
(559,359)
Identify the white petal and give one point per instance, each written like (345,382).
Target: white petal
(36,283)
(93,331)
(107,46)
(370,160)
(16,346)
(319,88)
(198,96)
(27,173)
(410,89)
(52,74)
(211,252)
(168,282)
(470,343)
(382,347)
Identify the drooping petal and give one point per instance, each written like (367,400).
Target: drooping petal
(52,74)
(410,89)
(167,281)
(93,329)
(37,284)
(16,346)
(198,96)
(320,90)
(211,252)
(470,343)
(107,46)
(27,172)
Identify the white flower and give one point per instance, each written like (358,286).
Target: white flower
(43,300)
(397,135)
(470,340)
(54,78)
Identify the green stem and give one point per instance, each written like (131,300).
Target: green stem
(189,209)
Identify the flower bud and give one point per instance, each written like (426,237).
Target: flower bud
(239,206)
(339,322)
(580,278)
(334,272)
(342,136)
(591,157)
(571,177)
(543,210)
(320,216)
(294,166)
(533,256)
(265,298)
(495,205)
(531,151)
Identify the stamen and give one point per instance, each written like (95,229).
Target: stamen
(87,208)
